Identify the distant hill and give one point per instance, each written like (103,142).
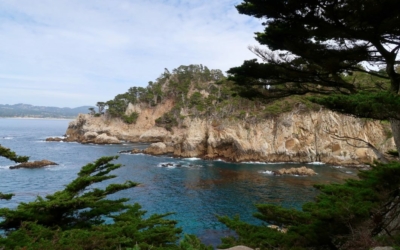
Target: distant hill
(26,110)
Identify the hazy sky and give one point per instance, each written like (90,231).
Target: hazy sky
(69,53)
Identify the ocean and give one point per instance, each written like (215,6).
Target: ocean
(195,190)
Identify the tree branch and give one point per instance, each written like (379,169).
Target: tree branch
(380,156)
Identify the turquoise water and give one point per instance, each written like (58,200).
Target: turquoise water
(196,190)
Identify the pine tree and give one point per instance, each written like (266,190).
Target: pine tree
(11,155)
(355,215)
(315,46)
(81,217)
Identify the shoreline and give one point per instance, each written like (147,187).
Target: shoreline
(217,158)
(37,118)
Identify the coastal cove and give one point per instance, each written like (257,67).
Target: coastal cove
(196,190)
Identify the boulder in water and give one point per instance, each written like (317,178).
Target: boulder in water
(56,139)
(296,171)
(34,164)
(136,151)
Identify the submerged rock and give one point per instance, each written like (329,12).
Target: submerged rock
(34,164)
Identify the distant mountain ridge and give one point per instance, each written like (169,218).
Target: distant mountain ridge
(31,111)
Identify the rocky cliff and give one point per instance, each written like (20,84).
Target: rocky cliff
(196,112)
(294,136)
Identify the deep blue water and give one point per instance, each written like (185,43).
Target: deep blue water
(197,191)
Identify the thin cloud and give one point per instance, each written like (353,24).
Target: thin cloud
(105,47)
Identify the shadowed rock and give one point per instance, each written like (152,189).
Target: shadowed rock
(57,139)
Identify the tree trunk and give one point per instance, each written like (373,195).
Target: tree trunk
(395,124)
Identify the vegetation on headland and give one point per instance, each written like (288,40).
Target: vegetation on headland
(198,92)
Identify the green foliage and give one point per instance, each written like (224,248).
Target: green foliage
(7,153)
(11,155)
(393,153)
(100,106)
(75,218)
(196,100)
(323,40)
(197,91)
(317,47)
(167,121)
(116,107)
(191,242)
(344,216)
(130,118)
(92,112)
(6,196)
(376,105)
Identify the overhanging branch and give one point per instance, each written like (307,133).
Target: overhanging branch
(380,156)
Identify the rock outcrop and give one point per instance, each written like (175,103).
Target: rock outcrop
(82,129)
(159,148)
(102,139)
(34,164)
(56,139)
(290,137)
(89,137)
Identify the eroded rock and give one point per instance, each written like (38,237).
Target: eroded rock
(158,148)
(136,151)
(290,137)
(106,139)
(303,171)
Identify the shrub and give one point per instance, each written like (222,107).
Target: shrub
(132,118)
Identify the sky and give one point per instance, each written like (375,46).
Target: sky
(70,53)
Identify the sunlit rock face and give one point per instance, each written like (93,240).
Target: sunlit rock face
(289,137)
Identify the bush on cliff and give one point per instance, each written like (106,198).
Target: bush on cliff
(130,118)
(355,215)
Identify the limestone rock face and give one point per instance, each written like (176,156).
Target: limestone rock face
(290,137)
(34,164)
(142,131)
